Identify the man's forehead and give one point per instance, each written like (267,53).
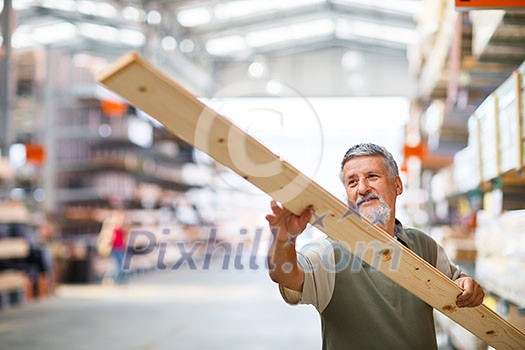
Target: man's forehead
(365,163)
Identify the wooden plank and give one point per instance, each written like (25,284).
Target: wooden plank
(150,90)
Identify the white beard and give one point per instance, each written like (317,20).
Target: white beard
(377,215)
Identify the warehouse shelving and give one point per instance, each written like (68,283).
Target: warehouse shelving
(498,35)
(471,65)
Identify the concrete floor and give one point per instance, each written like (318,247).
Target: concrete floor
(180,309)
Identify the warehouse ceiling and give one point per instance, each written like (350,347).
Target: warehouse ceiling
(241,28)
(319,47)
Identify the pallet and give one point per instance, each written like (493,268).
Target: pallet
(185,116)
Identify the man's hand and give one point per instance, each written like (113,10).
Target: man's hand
(472,294)
(282,257)
(285,225)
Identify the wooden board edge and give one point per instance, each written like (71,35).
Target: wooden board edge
(122,63)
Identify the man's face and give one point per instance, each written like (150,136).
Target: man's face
(370,187)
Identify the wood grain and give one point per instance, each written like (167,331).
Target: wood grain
(150,90)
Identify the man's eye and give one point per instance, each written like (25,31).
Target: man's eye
(372,176)
(352,183)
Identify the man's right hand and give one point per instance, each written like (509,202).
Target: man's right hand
(282,258)
(284,224)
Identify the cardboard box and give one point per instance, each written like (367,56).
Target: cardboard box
(521,72)
(487,113)
(467,175)
(509,115)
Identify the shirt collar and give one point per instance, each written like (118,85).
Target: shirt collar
(400,234)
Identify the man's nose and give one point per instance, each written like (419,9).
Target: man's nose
(363,187)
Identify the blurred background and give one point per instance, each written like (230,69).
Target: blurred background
(89,184)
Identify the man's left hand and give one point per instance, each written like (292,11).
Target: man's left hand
(472,294)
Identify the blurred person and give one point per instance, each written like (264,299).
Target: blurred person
(112,241)
(359,307)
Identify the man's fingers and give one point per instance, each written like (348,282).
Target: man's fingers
(276,208)
(472,294)
(270,218)
(463,296)
(286,220)
(464,299)
(306,215)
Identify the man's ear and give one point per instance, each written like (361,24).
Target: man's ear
(399,185)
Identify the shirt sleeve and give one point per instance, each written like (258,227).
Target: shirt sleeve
(318,262)
(444,264)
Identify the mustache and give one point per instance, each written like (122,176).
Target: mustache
(368,196)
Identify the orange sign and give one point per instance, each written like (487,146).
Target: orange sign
(489,4)
(113,108)
(35,153)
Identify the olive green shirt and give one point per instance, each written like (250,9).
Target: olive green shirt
(360,308)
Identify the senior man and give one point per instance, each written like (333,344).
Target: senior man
(359,307)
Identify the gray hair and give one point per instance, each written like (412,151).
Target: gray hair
(371,149)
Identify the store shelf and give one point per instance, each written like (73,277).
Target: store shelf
(433,77)
(515,297)
(500,262)
(15,247)
(498,35)
(143,170)
(13,212)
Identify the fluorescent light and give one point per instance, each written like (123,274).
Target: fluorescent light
(132,37)
(187,45)
(350,29)
(131,13)
(168,43)
(140,132)
(243,8)
(404,6)
(17,155)
(226,45)
(311,29)
(257,69)
(237,8)
(154,17)
(194,16)
(105,9)
(63,5)
(268,36)
(87,7)
(283,4)
(296,31)
(54,33)
(99,32)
